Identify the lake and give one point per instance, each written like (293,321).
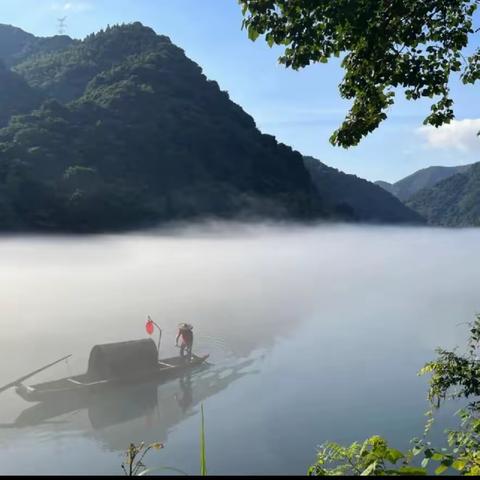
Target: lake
(314,334)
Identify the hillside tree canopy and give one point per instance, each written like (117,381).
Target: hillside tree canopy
(383,44)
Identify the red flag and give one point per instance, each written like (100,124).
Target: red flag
(149,327)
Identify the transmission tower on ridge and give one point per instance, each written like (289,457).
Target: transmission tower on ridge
(61,25)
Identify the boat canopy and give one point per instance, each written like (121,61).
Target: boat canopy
(123,359)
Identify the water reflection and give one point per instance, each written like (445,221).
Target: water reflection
(185,399)
(144,410)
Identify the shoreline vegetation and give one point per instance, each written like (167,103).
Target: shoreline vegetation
(453,375)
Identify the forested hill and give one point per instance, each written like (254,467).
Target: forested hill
(17,45)
(405,188)
(365,201)
(16,96)
(133,134)
(122,130)
(65,74)
(453,202)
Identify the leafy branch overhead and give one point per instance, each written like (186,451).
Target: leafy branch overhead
(384,44)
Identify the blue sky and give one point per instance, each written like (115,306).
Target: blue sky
(300,108)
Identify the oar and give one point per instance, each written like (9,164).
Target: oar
(21,379)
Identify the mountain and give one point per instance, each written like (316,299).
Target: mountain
(425,178)
(122,130)
(17,45)
(13,41)
(16,96)
(453,202)
(64,75)
(386,186)
(363,200)
(132,134)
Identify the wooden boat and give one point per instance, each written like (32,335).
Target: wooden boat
(110,366)
(132,401)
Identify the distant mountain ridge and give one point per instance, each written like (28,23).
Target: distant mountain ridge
(405,188)
(17,45)
(361,199)
(13,41)
(453,202)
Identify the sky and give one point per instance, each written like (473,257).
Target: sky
(300,108)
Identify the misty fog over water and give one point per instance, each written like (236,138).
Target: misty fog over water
(315,334)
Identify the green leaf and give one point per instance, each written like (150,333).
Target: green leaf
(416,450)
(203,457)
(252,33)
(369,469)
(394,455)
(459,464)
(440,469)
(412,471)
(474,471)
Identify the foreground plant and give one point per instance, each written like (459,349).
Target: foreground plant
(134,463)
(203,454)
(453,375)
(463,452)
(372,457)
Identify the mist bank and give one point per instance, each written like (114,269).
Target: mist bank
(226,274)
(315,334)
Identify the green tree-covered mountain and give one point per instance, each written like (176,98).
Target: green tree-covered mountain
(426,178)
(64,75)
(17,45)
(16,96)
(362,200)
(136,135)
(122,130)
(453,202)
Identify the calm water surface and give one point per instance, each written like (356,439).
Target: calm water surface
(314,333)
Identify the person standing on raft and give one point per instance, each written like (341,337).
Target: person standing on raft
(186,332)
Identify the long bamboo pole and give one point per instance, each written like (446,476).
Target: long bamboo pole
(21,379)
